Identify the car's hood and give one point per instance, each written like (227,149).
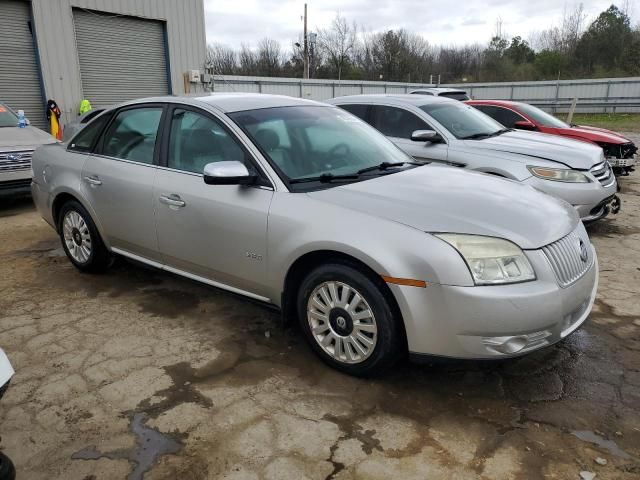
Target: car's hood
(28,137)
(595,134)
(6,371)
(445,199)
(574,154)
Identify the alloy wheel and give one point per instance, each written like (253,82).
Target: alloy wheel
(342,322)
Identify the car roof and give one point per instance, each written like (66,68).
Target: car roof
(439,90)
(233,101)
(402,99)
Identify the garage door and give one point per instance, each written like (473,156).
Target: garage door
(19,74)
(121,58)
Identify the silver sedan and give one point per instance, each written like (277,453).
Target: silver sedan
(440,130)
(303,206)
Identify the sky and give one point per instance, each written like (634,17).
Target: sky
(441,22)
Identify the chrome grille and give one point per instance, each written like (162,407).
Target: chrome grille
(15,160)
(602,172)
(568,258)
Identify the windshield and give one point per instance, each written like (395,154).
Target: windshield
(308,141)
(7,117)
(463,121)
(541,117)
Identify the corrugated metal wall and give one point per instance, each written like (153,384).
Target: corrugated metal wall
(57,45)
(621,93)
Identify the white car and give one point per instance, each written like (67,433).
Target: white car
(6,372)
(445,131)
(452,93)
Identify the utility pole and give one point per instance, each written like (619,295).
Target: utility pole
(306,46)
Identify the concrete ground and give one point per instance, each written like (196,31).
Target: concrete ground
(140,373)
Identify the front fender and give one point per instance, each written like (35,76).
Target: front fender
(299,225)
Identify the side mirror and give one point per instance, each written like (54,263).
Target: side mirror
(228,173)
(426,136)
(525,125)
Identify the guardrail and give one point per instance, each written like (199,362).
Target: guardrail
(594,96)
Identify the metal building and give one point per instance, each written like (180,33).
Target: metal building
(107,51)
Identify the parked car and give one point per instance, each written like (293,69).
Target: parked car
(452,93)
(71,128)
(302,205)
(16,147)
(7,470)
(6,372)
(619,151)
(438,130)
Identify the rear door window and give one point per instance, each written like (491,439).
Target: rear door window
(86,139)
(132,134)
(358,109)
(506,117)
(397,122)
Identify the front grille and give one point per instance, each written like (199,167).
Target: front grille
(15,184)
(15,160)
(571,256)
(602,172)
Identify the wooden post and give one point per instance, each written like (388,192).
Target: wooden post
(572,110)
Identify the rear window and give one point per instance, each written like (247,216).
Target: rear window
(462,96)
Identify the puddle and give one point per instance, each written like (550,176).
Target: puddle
(610,445)
(150,445)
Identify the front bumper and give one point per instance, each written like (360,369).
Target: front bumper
(496,321)
(622,162)
(14,183)
(586,198)
(6,372)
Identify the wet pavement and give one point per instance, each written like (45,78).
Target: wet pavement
(139,373)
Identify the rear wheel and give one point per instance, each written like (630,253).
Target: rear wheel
(347,320)
(81,240)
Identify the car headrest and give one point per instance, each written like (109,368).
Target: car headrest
(268,139)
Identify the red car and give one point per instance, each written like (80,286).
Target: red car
(619,150)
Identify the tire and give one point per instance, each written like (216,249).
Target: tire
(339,335)
(81,240)
(7,470)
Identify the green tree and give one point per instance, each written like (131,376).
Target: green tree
(519,51)
(549,63)
(605,42)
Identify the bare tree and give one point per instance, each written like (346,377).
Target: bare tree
(269,58)
(248,61)
(338,43)
(221,60)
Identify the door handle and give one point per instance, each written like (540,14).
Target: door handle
(93,180)
(172,200)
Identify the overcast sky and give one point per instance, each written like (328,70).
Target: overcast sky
(443,22)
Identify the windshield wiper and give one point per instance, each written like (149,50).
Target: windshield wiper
(478,136)
(385,166)
(327,178)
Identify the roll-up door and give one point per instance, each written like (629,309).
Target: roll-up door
(121,58)
(19,74)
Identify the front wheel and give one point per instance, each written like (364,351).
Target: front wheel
(347,320)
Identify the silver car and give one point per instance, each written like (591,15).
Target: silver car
(16,147)
(303,206)
(441,130)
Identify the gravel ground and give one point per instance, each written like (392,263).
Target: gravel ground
(140,371)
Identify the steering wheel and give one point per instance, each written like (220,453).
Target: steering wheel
(335,150)
(131,144)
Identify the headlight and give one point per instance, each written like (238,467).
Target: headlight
(559,174)
(491,260)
